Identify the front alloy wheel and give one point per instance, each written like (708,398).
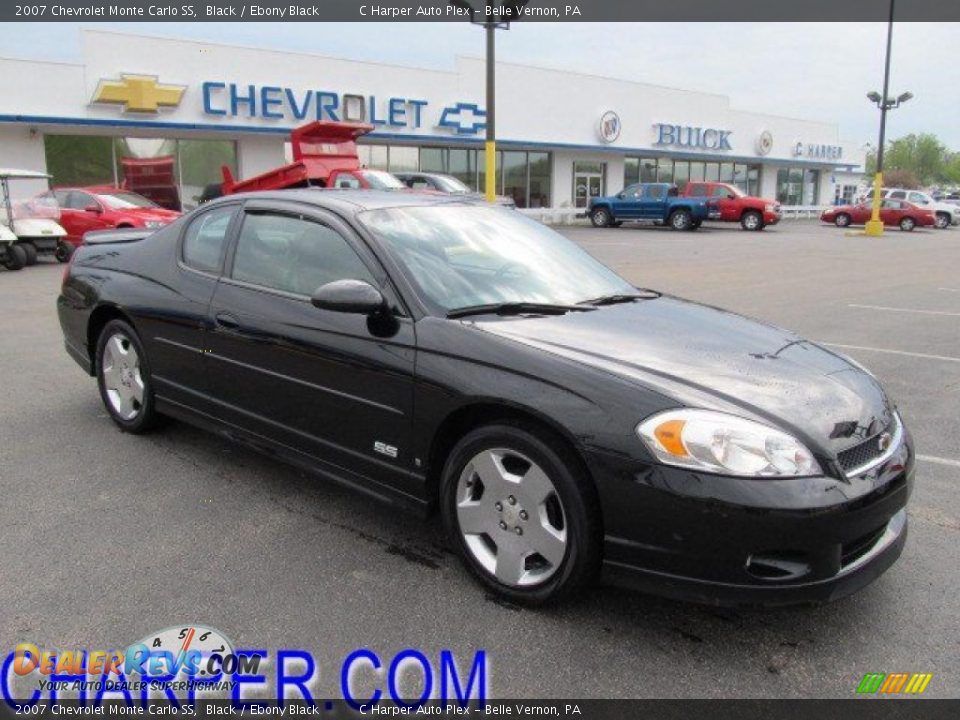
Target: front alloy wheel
(681,220)
(943,221)
(600,217)
(511,517)
(521,513)
(751,220)
(842,220)
(907,224)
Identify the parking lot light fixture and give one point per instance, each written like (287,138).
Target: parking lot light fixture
(491,17)
(874,226)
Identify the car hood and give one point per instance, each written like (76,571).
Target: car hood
(706,357)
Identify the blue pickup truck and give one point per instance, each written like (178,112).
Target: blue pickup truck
(651,201)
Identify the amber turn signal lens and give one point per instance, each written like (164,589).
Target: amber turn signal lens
(670,436)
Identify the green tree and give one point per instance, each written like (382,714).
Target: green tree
(923,155)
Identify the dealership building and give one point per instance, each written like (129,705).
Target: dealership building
(182,109)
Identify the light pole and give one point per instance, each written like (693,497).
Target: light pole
(491,17)
(884,102)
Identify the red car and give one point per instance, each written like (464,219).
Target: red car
(752,213)
(105,207)
(893,213)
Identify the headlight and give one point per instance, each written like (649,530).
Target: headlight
(154,223)
(715,442)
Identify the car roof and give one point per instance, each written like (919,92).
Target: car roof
(354,200)
(12,173)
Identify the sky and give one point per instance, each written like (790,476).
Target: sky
(814,71)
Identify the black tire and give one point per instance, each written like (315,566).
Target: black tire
(31,250)
(943,221)
(601,217)
(751,220)
(574,491)
(63,252)
(146,416)
(907,224)
(842,220)
(680,219)
(15,257)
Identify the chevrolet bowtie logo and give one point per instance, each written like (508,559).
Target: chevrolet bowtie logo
(138,93)
(463,118)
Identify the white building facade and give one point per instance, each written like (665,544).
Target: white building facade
(562,137)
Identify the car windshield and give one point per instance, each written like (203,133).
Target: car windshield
(125,201)
(451,184)
(27,198)
(380,180)
(735,190)
(464,256)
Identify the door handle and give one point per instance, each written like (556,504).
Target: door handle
(227,321)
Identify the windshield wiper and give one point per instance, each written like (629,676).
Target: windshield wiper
(642,294)
(516,308)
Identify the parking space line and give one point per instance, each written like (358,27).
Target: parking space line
(939,460)
(925,356)
(906,310)
(949,289)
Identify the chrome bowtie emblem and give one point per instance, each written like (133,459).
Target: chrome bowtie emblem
(884,441)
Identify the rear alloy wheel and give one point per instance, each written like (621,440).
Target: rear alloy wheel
(15,257)
(522,516)
(600,217)
(751,220)
(63,252)
(124,378)
(907,224)
(681,220)
(31,251)
(842,220)
(943,221)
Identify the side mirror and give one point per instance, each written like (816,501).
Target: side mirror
(350,296)
(731,196)
(93,208)
(621,195)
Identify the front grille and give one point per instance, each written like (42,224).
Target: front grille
(865,452)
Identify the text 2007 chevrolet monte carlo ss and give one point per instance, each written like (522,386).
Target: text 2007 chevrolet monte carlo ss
(447,354)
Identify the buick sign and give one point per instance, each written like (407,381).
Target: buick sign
(609,127)
(692,137)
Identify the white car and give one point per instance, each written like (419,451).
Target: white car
(946,213)
(30,227)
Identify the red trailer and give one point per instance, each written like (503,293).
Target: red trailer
(154,178)
(324,155)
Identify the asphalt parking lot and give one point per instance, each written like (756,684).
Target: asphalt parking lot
(105,537)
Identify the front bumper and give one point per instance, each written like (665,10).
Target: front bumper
(771,218)
(733,541)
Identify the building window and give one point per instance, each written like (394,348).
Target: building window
(173,173)
(665,170)
(539,183)
(798,186)
(631,171)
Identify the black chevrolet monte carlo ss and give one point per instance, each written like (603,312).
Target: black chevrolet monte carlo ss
(451,355)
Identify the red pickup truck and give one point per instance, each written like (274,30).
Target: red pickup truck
(752,213)
(324,155)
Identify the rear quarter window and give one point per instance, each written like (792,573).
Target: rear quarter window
(205,240)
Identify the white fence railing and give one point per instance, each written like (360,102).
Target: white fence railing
(568,215)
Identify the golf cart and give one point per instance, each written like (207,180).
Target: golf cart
(29,225)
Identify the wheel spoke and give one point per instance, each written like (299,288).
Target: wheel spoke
(511,555)
(546,539)
(474,518)
(117,351)
(536,486)
(137,388)
(111,377)
(489,468)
